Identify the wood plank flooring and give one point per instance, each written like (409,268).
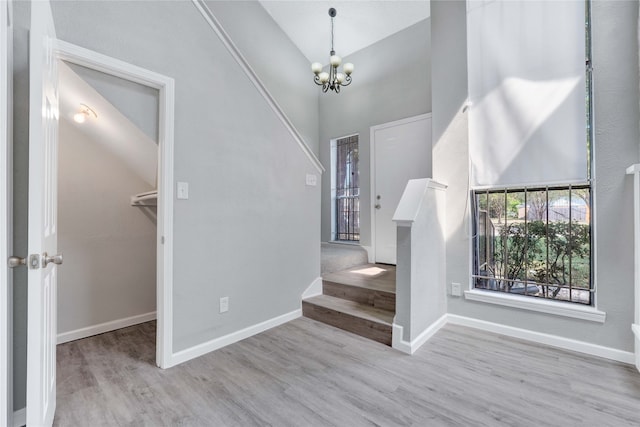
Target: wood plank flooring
(364,320)
(306,373)
(380,277)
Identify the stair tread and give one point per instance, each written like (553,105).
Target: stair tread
(377,277)
(353,308)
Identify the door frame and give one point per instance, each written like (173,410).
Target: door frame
(164,239)
(6,207)
(372,171)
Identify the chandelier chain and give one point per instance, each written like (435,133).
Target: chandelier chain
(332,34)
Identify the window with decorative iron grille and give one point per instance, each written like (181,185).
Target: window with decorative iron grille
(347,190)
(536,239)
(534,242)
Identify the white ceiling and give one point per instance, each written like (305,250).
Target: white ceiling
(357,25)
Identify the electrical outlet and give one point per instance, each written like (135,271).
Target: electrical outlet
(224,304)
(312,180)
(456,289)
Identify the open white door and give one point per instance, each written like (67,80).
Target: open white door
(400,151)
(42,276)
(6,300)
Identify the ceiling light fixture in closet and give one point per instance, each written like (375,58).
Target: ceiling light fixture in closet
(85,112)
(333,79)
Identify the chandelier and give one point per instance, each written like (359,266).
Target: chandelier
(333,80)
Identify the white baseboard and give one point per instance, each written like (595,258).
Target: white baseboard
(542,338)
(105,327)
(209,346)
(314,289)
(20,417)
(636,332)
(410,347)
(369,250)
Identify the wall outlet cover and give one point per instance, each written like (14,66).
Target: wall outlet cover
(224,304)
(456,289)
(182,190)
(312,179)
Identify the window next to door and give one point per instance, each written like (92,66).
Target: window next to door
(345,189)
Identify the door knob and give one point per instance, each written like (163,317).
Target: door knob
(16,261)
(377,206)
(46,259)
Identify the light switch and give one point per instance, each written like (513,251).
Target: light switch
(183,190)
(312,180)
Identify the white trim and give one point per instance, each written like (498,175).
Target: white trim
(410,347)
(20,417)
(251,74)
(546,339)
(557,308)
(345,242)
(635,171)
(166,89)
(333,145)
(101,328)
(215,344)
(6,207)
(314,289)
(636,331)
(333,156)
(372,172)
(370,256)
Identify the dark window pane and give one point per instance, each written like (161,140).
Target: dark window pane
(347,189)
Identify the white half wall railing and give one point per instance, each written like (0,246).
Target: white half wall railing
(421,306)
(635,171)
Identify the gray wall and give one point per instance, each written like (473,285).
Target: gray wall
(109,246)
(251,228)
(279,64)
(391,81)
(615,55)
(136,102)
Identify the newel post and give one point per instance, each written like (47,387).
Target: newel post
(420,272)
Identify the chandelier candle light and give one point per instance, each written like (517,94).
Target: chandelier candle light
(333,79)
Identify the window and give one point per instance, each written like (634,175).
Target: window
(530,140)
(534,242)
(346,186)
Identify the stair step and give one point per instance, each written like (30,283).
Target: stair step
(361,319)
(375,298)
(372,284)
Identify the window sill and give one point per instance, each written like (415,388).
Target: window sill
(344,242)
(536,304)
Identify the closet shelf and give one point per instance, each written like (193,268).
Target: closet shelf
(149,198)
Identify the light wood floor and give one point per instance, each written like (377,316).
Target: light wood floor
(305,373)
(380,277)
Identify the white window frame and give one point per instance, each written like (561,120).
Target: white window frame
(334,159)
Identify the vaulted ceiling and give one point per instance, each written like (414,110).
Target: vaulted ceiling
(358,24)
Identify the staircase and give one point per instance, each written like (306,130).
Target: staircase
(360,299)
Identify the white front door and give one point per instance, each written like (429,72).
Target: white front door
(401,151)
(6,300)
(42,268)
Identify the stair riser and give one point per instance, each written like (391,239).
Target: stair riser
(363,327)
(378,299)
